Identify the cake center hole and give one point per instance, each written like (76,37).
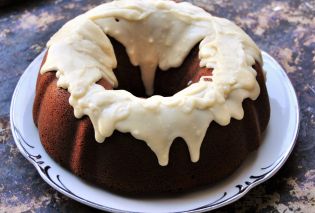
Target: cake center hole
(166,83)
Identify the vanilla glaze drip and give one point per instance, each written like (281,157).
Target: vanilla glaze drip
(155,33)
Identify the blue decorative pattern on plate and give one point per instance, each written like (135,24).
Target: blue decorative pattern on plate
(279,140)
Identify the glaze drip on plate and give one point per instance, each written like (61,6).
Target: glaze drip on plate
(155,33)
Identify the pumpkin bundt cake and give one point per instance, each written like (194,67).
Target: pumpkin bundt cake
(151,96)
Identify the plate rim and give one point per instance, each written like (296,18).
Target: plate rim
(43,173)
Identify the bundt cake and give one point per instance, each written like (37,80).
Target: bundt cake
(177,96)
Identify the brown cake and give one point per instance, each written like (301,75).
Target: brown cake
(126,164)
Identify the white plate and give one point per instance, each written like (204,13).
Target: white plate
(278,143)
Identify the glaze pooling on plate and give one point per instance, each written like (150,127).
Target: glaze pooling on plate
(156,33)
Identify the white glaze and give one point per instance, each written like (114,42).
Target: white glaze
(155,33)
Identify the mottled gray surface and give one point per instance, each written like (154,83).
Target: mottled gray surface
(285,29)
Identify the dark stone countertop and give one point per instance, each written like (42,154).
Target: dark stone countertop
(284,28)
